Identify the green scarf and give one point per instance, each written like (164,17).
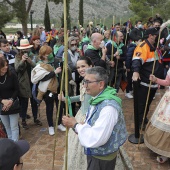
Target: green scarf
(86,39)
(109,93)
(119,48)
(90,47)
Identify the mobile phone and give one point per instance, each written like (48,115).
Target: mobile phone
(26,55)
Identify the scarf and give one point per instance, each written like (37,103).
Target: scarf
(108,93)
(118,47)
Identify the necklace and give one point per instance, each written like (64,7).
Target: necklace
(4,80)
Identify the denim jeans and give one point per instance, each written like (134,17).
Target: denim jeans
(11,125)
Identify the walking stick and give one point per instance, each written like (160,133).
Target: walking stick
(57,117)
(112,55)
(116,63)
(153,68)
(116,74)
(111,70)
(66,74)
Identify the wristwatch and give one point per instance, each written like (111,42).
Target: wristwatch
(74,127)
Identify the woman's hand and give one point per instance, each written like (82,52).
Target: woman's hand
(152,78)
(61,97)
(7,103)
(58,70)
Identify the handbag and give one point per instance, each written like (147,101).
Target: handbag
(15,105)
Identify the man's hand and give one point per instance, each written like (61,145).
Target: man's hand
(104,50)
(135,76)
(69,121)
(112,63)
(128,70)
(118,57)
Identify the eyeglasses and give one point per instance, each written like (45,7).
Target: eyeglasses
(86,82)
(73,45)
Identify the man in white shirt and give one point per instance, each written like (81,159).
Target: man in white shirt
(104,129)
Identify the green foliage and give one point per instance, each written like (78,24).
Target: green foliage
(47,18)
(144,9)
(5,14)
(21,10)
(81,12)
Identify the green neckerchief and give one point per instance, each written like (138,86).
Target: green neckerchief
(109,93)
(156,55)
(90,47)
(106,40)
(85,39)
(119,48)
(69,106)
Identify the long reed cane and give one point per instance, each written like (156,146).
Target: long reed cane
(57,117)
(66,74)
(111,60)
(116,74)
(126,38)
(116,63)
(153,68)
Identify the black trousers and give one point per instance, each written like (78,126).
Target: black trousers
(129,80)
(97,164)
(142,97)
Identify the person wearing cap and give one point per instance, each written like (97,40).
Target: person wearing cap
(24,62)
(143,60)
(11,153)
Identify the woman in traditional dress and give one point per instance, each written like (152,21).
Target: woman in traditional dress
(157,133)
(76,157)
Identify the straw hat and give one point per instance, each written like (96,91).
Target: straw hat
(24,44)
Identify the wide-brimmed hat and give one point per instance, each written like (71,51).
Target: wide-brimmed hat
(24,44)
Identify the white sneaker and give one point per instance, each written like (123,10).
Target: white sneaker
(62,128)
(131,92)
(51,131)
(128,95)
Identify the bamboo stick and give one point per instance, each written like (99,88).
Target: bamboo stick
(66,74)
(57,116)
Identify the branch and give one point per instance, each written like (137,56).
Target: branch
(29,5)
(9,2)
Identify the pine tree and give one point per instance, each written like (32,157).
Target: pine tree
(144,9)
(81,18)
(47,18)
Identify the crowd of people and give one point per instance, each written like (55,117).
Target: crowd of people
(100,62)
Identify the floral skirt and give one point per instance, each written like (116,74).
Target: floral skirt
(157,133)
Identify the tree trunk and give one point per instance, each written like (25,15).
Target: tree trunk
(24,27)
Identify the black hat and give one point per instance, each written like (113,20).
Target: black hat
(10,152)
(152,31)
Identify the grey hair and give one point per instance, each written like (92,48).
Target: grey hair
(100,73)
